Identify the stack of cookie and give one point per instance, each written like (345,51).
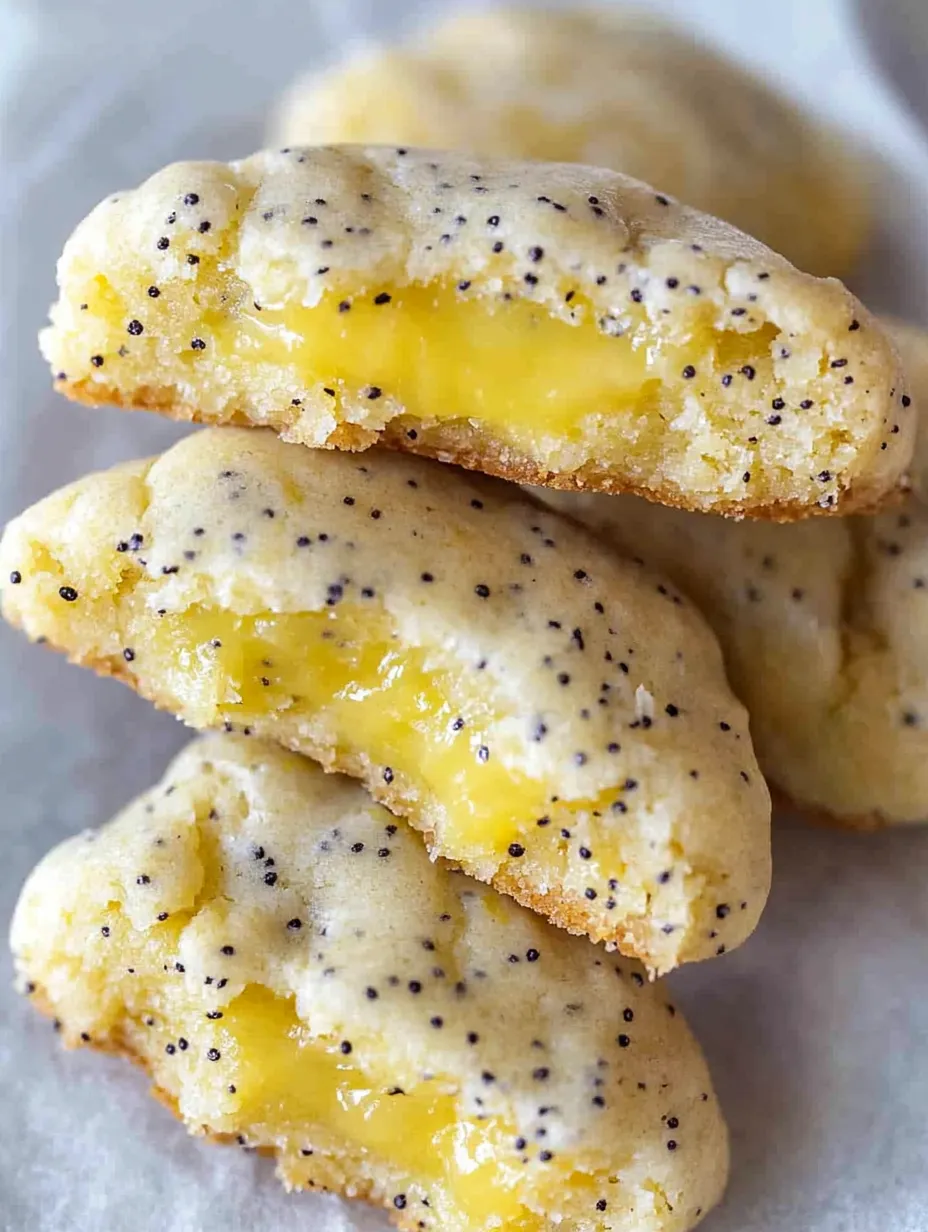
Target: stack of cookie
(318,966)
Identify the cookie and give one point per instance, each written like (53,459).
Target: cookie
(547,323)
(825,630)
(614,89)
(553,718)
(295,973)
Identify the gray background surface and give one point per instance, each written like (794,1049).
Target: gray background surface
(817,1030)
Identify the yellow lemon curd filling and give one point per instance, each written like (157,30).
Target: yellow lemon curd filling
(444,354)
(418,726)
(567,387)
(374,694)
(543,383)
(254,1070)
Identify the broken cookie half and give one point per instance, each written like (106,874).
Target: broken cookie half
(294,972)
(548,323)
(553,718)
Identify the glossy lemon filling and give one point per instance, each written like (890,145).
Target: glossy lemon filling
(437,353)
(255,1070)
(416,724)
(444,354)
(420,727)
(287,1083)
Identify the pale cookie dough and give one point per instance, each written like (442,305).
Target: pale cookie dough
(553,718)
(825,630)
(614,89)
(294,972)
(548,323)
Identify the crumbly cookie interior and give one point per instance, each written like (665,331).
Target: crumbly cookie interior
(703,418)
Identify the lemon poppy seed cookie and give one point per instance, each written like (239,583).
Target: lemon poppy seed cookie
(294,972)
(554,719)
(611,88)
(825,630)
(547,323)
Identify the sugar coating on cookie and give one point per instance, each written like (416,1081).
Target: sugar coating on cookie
(612,89)
(548,323)
(555,719)
(824,626)
(294,972)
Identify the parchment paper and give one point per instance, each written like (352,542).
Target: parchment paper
(817,1030)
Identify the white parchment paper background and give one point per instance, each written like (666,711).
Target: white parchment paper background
(817,1030)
